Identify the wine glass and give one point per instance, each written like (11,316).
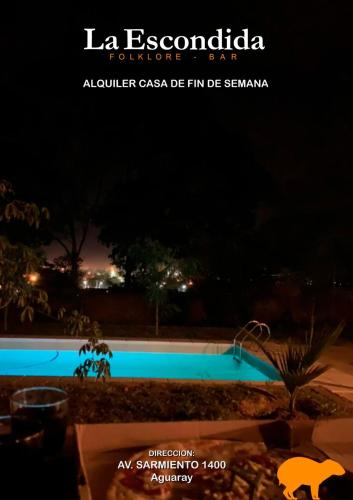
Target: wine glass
(47,405)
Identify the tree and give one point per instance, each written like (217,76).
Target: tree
(63,264)
(158,270)
(19,261)
(71,188)
(72,211)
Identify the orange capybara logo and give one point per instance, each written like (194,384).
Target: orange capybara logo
(300,471)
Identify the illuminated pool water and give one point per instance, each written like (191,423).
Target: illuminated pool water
(140,364)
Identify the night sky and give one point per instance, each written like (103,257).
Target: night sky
(298,132)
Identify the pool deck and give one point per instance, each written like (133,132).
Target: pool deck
(335,438)
(141,345)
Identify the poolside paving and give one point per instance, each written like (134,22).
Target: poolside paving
(335,438)
(339,378)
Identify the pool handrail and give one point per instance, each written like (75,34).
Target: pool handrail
(264,329)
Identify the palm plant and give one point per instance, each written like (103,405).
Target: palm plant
(297,364)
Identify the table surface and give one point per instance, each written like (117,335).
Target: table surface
(59,475)
(101,445)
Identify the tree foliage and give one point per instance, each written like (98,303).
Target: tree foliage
(18,261)
(158,269)
(72,211)
(71,192)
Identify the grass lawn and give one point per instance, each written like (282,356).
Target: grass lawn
(117,401)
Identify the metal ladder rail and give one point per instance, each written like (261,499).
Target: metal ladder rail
(259,325)
(245,328)
(267,332)
(264,329)
(242,329)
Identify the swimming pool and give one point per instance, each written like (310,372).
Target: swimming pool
(134,359)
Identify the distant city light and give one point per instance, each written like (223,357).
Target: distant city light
(33,278)
(101,278)
(183,287)
(113,272)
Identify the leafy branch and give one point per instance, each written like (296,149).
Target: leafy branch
(18,260)
(98,352)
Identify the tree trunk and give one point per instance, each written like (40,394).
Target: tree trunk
(6,316)
(157,318)
(76,297)
(128,273)
(75,270)
(292,402)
